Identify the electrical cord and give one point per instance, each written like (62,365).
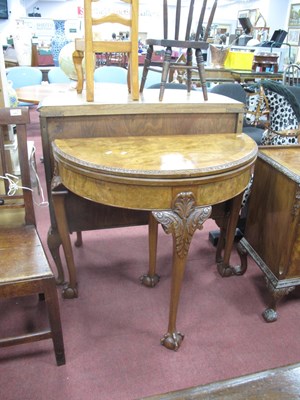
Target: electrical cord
(14,186)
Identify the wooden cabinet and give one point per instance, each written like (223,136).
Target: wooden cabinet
(272,235)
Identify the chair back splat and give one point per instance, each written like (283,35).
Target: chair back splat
(91,45)
(188,44)
(291,75)
(24,268)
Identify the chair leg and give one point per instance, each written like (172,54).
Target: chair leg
(165,72)
(129,73)
(89,75)
(189,63)
(146,66)
(200,65)
(54,319)
(54,243)
(78,242)
(133,77)
(77,60)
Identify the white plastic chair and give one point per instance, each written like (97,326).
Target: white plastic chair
(57,75)
(152,77)
(111,74)
(24,76)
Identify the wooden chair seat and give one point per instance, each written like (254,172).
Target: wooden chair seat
(22,247)
(24,268)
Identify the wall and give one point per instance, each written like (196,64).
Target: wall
(16,9)
(274,11)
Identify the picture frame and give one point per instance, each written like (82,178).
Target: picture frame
(252,14)
(293,55)
(294,17)
(293,37)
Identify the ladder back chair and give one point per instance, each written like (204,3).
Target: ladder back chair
(197,44)
(89,46)
(24,268)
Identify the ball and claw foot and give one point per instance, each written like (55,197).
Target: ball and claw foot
(149,281)
(270,315)
(172,341)
(69,292)
(228,270)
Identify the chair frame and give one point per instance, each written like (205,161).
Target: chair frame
(291,75)
(196,44)
(87,47)
(24,268)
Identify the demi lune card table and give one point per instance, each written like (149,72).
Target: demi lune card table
(176,180)
(113,114)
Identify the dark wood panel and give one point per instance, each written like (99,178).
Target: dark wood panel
(275,384)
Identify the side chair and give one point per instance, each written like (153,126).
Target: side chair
(188,44)
(24,268)
(291,75)
(235,91)
(90,45)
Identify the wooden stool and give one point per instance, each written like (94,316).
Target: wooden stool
(264,61)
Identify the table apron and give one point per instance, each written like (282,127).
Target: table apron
(144,196)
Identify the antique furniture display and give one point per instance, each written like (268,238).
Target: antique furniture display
(187,44)
(178,180)
(114,114)
(24,268)
(272,234)
(91,45)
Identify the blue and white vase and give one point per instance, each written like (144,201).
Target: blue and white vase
(12,95)
(59,40)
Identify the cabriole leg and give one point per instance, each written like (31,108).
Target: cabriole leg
(181,221)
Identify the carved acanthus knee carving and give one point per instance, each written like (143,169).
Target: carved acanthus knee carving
(183,220)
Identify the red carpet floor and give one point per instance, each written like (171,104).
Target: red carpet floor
(112,331)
